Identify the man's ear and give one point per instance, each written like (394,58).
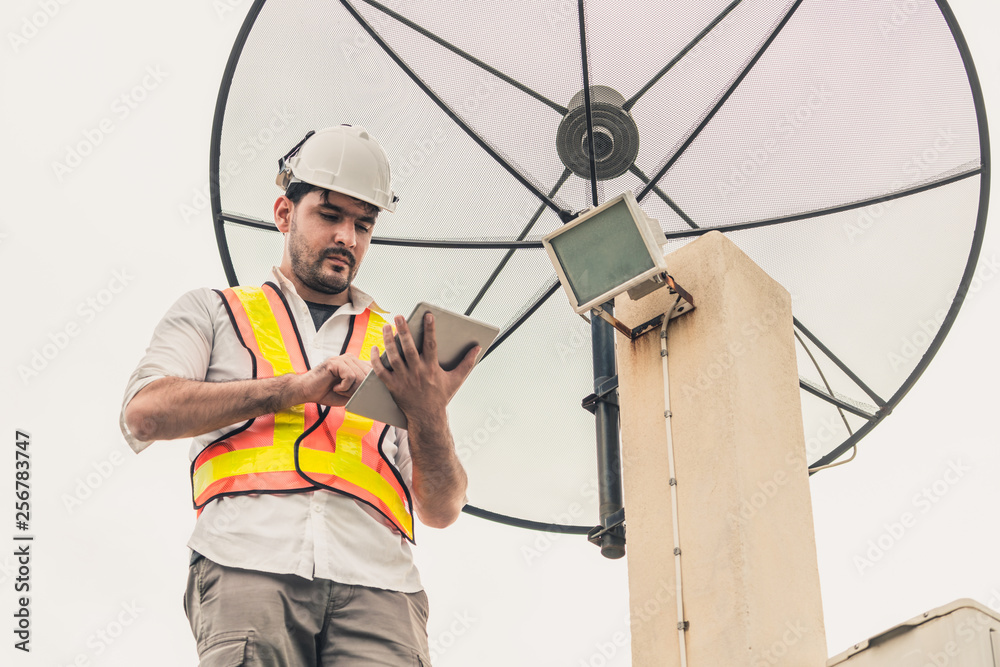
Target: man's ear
(283,214)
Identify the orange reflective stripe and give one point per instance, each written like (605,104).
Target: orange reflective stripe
(283,481)
(356,345)
(369,451)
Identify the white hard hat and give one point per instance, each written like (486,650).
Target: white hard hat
(344,159)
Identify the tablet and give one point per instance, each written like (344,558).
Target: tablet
(456,335)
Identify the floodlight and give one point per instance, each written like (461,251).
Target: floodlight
(608,250)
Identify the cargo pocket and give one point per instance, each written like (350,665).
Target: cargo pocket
(227,649)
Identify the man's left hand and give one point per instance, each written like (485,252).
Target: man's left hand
(420,387)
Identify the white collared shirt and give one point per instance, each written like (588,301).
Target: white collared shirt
(320,533)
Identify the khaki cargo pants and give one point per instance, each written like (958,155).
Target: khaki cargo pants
(259,619)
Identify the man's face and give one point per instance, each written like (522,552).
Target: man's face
(328,238)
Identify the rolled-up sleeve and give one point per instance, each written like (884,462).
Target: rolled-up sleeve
(181,347)
(404,464)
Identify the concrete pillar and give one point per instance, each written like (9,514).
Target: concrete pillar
(750,580)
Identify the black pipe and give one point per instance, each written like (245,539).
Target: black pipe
(609,465)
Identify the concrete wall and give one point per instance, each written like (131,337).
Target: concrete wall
(750,579)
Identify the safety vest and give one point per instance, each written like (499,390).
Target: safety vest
(303,447)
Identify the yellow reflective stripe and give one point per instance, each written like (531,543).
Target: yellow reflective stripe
(373,335)
(289,425)
(291,422)
(242,462)
(353,470)
(350,433)
(265,328)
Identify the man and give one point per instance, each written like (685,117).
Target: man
(300,553)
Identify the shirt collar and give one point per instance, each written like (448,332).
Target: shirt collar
(357,302)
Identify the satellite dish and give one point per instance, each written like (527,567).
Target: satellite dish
(842,146)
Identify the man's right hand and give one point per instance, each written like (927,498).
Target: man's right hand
(173,407)
(334,381)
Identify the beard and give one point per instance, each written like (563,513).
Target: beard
(313,270)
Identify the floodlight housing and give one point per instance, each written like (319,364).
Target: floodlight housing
(608,250)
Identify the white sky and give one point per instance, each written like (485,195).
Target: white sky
(110,232)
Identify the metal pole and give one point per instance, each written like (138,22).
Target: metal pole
(609,467)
